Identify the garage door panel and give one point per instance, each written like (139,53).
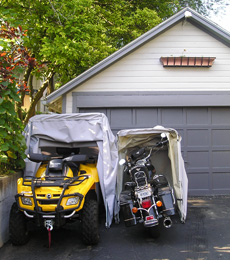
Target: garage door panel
(196,138)
(122,117)
(198,181)
(220,137)
(172,116)
(198,160)
(221,159)
(147,117)
(221,181)
(220,116)
(197,116)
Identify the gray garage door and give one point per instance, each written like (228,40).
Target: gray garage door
(205,140)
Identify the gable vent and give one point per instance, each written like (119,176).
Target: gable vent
(187,61)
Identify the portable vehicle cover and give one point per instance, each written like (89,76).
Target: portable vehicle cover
(77,130)
(171,165)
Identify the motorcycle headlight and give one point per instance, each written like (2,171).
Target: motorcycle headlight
(26,201)
(72,201)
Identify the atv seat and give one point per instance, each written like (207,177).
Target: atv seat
(55,167)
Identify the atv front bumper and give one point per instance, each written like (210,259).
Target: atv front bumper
(49,198)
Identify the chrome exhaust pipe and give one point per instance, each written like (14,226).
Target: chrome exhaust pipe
(167,222)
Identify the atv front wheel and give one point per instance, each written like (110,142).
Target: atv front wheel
(19,234)
(90,224)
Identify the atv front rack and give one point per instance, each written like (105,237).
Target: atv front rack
(59,213)
(60,181)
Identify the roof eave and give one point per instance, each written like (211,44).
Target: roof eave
(210,27)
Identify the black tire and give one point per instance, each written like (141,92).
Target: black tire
(90,224)
(155,231)
(19,234)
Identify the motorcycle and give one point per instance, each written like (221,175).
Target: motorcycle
(148,197)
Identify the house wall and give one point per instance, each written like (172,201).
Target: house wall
(143,71)
(37,83)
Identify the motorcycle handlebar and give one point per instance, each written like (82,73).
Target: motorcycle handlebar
(161,143)
(158,144)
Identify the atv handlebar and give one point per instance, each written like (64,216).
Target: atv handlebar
(38,157)
(77,158)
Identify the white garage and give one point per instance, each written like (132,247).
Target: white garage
(175,75)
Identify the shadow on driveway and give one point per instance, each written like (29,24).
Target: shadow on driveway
(205,235)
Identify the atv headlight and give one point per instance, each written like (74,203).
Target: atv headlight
(26,201)
(72,201)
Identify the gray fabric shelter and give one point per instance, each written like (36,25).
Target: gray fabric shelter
(168,162)
(77,130)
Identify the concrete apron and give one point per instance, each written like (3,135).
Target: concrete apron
(8,189)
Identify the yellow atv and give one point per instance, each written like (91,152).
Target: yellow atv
(63,189)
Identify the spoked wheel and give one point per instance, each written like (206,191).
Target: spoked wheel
(19,234)
(154,231)
(90,224)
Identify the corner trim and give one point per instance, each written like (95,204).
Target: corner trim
(64,104)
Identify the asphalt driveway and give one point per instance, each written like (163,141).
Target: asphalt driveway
(205,235)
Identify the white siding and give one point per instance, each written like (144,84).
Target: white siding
(69,108)
(142,70)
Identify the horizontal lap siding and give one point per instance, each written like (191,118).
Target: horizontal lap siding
(160,80)
(143,70)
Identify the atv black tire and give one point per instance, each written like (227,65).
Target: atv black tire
(19,234)
(90,223)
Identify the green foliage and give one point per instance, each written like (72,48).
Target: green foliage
(12,59)
(72,36)
(12,142)
(68,36)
